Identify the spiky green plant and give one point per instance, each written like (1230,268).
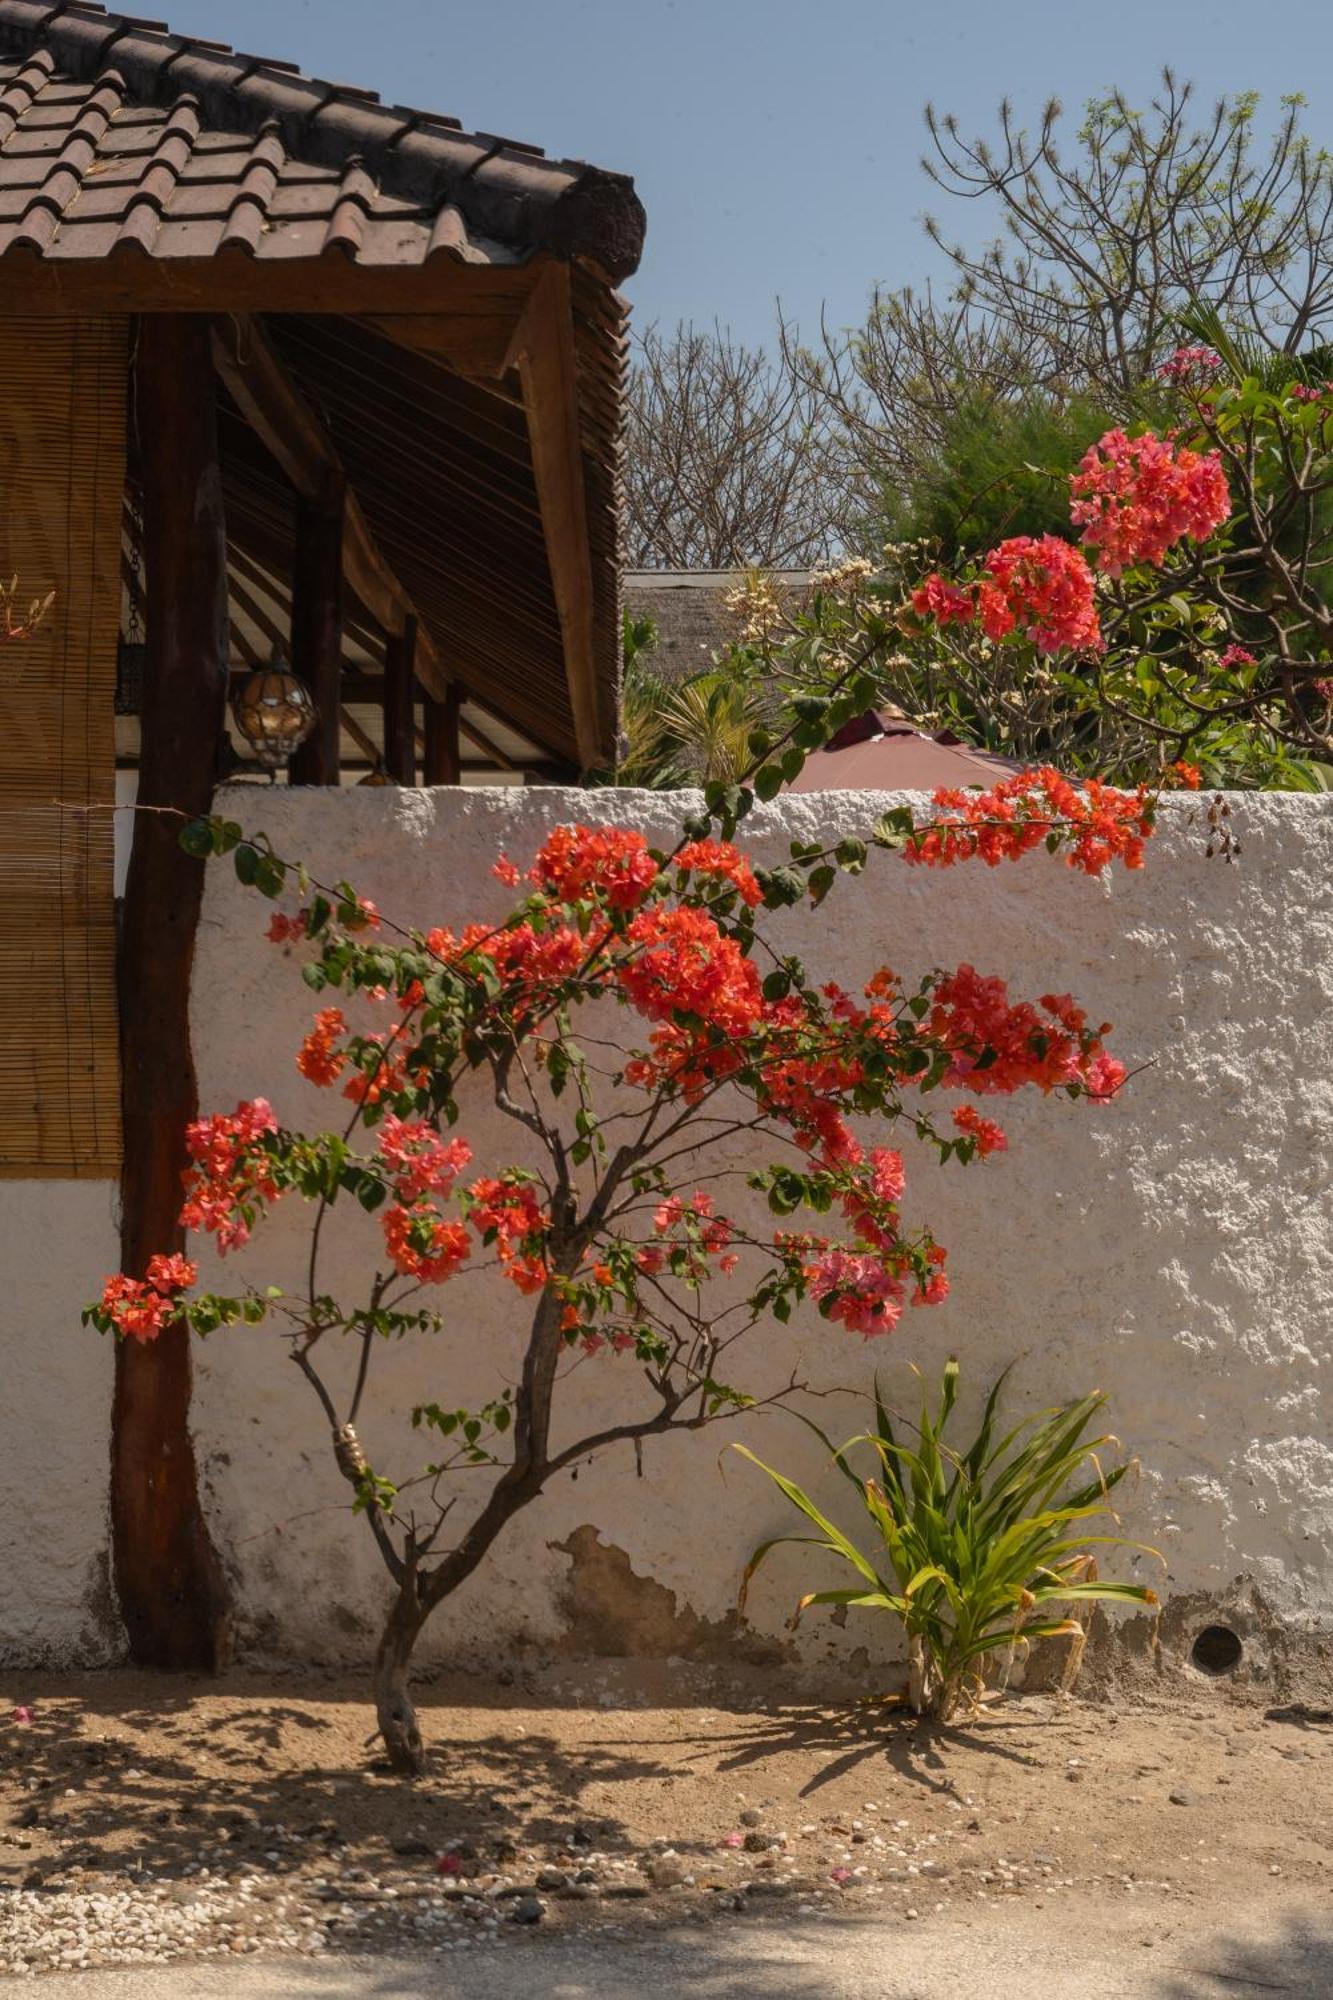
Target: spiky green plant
(975,1548)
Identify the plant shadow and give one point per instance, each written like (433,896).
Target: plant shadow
(863,1732)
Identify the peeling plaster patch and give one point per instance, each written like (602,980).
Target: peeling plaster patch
(1139,1655)
(103,1638)
(612,1612)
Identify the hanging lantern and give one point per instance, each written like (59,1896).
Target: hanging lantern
(274,713)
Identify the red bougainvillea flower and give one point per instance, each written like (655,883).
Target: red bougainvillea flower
(683,964)
(989,1137)
(319,1059)
(606,862)
(1040,587)
(1236,656)
(1135,498)
(423,1244)
(999,1045)
(506,1210)
(1100,824)
(1187,777)
(386,1073)
(141,1308)
(231,1176)
(419,1161)
(171,1273)
(286,930)
(720,859)
(947,603)
(857,1291)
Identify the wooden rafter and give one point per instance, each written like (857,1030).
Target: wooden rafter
(297,438)
(475,345)
(544,354)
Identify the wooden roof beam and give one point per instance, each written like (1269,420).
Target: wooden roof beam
(295,435)
(543,351)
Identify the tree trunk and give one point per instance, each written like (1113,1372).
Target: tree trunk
(393,1704)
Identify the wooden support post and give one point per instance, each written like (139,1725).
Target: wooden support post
(400,688)
(168,1578)
(317,634)
(443,761)
(543,351)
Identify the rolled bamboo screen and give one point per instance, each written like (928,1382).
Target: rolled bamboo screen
(62,476)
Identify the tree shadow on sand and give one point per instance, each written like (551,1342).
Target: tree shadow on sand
(112,1784)
(1294,1959)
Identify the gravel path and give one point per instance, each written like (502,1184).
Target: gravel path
(1007,1955)
(166,1838)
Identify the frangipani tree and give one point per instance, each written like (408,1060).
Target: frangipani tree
(623,1241)
(1184,621)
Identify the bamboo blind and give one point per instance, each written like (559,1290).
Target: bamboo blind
(62,475)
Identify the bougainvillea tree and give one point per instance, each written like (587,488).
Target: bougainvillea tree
(636,1024)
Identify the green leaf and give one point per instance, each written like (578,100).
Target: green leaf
(893,829)
(197,838)
(821,881)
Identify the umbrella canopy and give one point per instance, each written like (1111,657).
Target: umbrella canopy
(886,754)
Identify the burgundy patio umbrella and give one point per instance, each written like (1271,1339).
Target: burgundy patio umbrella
(887,754)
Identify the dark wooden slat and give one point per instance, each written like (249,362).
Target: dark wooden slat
(168,1578)
(400,683)
(442,763)
(317,636)
(477,298)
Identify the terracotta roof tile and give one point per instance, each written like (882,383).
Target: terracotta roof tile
(123,134)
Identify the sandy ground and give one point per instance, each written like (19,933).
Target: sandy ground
(681,1796)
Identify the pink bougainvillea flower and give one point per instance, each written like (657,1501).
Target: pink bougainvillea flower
(1041,588)
(947,603)
(1135,498)
(1190,364)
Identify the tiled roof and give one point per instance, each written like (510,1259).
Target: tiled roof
(117,136)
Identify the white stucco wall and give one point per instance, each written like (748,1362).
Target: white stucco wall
(1174,1249)
(59,1240)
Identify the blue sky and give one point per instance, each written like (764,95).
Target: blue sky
(775,144)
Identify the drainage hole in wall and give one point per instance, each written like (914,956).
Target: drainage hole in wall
(1217,1650)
